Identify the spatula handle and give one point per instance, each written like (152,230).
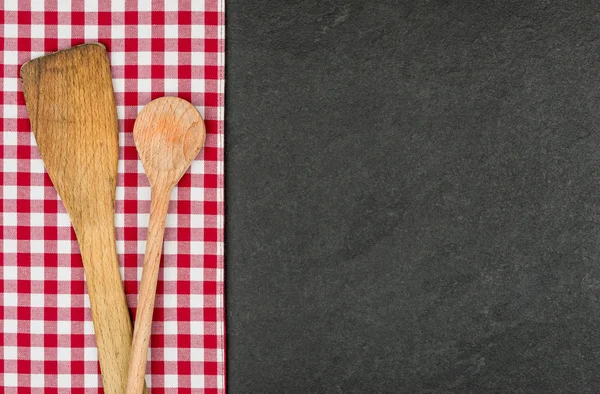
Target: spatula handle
(145,308)
(112,322)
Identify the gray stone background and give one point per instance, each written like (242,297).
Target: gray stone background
(412,192)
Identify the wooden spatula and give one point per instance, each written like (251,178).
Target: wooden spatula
(71,105)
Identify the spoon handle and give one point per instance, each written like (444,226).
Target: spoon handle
(145,308)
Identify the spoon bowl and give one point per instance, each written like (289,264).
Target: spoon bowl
(169,133)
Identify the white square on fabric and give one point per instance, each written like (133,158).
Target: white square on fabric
(197,193)
(37,301)
(144,58)
(170,381)
(63,220)
(37,379)
(37,246)
(143,219)
(170,274)
(119,87)
(10,379)
(64,5)
(90,380)
(37,166)
(170,247)
(198,5)
(117,59)
(198,59)
(198,85)
(37,327)
(117,32)
(90,353)
(117,6)
(91,5)
(197,381)
(220,380)
(197,248)
(36,5)
(198,31)
(144,193)
(63,247)
(10,352)
(64,301)
(10,246)
(10,272)
(37,219)
(38,31)
(145,5)
(64,327)
(170,300)
(171,31)
(37,273)
(64,31)
(171,6)
(120,246)
(121,165)
(35,54)
(63,354)
(144,31)
(10,326)
(120,193)
(64,380)
(171,221)
(197,166)
(63,273)
(144,85)
(9,138)
(10,5)
(10,84)
(196,221)
(11,30)
(36,193)
(37,354)
(91,32)
(170,354)
(197,301)
(140,168)
(9,219)
(171,86)
(170,327)
(10,165)
(10,110)
(141,247)
(11,57)
(88,329)
(196,274)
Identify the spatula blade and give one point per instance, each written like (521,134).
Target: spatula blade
(71,106)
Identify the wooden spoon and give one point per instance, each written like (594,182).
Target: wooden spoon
(169,133)
(71,105)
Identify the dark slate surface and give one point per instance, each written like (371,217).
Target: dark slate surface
(413,196)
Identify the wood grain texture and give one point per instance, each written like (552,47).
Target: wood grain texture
(169,133)
(71,106)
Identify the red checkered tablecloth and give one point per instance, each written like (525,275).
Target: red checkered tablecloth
(157,48)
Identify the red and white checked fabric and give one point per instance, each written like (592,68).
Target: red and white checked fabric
(157,48)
